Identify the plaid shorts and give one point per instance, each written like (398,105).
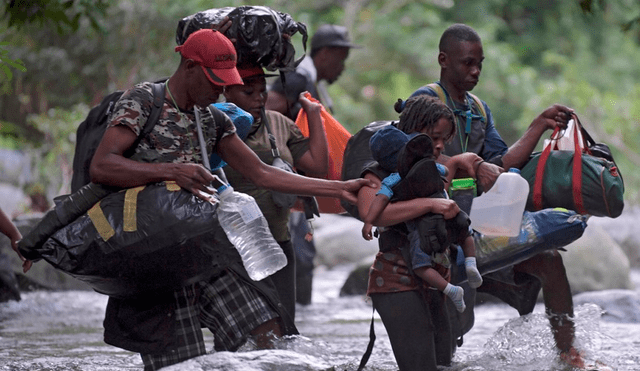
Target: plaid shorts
(225,305)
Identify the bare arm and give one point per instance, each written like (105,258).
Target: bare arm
(377,207)
(240,157)
(10,230)
(402,211)
(110,167)
(316,160)
(469,164)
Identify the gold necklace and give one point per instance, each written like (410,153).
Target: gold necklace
(183,117)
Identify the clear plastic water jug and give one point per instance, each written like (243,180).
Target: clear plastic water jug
(499,211)
(248,231)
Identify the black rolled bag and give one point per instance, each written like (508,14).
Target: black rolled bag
(258,31)
(133,242)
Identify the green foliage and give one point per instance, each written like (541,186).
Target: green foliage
(6,64)
(65,15)
(9,134)
(54,156)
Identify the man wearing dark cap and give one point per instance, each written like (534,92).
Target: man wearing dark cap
(165,328)
(330,47)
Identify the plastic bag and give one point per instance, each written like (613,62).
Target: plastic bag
(242,120)
(541,230)
(139,241)
(337,138)
(566,142)
(258,33)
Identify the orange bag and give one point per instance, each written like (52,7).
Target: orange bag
(337,138)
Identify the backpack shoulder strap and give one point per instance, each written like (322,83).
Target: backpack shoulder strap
(442,96)
(480,106)
(156,109)
(438,89)
(152,120)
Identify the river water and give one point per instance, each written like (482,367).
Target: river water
(63,331)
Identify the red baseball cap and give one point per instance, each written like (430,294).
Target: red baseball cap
(253,70)
(215,54)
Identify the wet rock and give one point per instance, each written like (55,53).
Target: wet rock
(13,200)
(356,283)
(339,240)
(621,306)
(15,167)
(9,289)
(596,262)
(624,231)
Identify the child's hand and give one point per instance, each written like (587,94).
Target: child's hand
(366,232)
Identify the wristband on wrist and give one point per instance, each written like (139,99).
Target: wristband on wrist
(478,167)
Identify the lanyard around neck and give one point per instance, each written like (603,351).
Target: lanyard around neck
(459,114)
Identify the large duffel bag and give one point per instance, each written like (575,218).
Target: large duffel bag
(583,177)
(134,242)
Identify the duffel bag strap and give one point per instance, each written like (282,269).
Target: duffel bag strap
(576,178)
(542,163)
(587,140)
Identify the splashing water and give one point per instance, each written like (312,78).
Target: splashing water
(62,331)
(526,343)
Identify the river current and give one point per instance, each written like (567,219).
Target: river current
(62,331)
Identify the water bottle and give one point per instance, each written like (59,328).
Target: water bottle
(463,191)
(248,231)
(499,211)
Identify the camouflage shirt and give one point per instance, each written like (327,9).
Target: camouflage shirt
(175,137)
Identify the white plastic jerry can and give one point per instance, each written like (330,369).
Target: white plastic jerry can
(499,211)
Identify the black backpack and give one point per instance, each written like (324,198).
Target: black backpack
(357,156)
(91,130)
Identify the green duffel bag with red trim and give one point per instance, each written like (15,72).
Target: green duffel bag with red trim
(586,180)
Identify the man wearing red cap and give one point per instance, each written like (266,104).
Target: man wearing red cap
(166,328)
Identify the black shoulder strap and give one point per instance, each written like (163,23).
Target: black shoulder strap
(156,110)
(272,139)
(372,340)
(158,102)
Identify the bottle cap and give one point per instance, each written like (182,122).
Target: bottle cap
(463,183)
(514,170)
